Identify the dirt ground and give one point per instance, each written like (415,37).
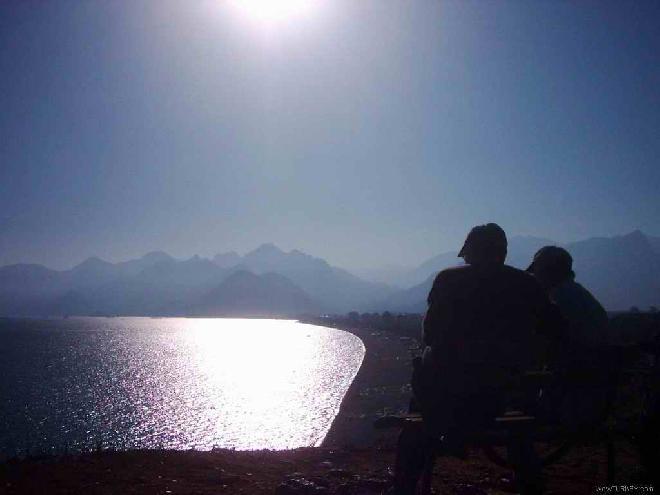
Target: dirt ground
(308,470)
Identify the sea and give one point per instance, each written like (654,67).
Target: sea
(85,384)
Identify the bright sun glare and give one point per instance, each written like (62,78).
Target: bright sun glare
(275,11)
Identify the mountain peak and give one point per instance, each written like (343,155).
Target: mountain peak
(267,248)
(638,240)
(196,259)
(297,252)
(90,263)
(156,256)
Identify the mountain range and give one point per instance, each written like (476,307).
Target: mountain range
(622,271)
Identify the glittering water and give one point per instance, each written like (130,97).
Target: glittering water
(84,383)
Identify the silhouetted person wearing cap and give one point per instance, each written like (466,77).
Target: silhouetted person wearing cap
(584,365)
(478,331)
(553,268)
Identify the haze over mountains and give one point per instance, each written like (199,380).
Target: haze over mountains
(266,281)
(621,271)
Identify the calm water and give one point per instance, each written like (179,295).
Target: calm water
(173,382)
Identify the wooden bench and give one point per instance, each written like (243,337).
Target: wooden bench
(517,431)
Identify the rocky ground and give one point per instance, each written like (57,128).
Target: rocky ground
(351,471)
(355,458)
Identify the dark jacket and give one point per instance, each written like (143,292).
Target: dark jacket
(587,319)
(487,316)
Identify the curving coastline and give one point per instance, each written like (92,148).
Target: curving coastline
(353,459)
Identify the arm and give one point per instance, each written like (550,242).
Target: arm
(550,322)
(437,315)
(551,325)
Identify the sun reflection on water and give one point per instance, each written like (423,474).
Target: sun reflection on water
(269,377)
(174,383)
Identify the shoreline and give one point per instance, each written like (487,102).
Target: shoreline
(343,463)
(381,386)
(354,458)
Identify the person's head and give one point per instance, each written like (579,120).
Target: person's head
(551,266)
(485,244)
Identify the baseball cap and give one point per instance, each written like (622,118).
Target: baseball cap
(483,239)
(553,256)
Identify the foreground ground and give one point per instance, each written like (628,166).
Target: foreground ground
(355,459)
(323,470)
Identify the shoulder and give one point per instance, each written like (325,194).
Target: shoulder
(524,283)
(580,307)
(448,275)
(581,289)
(571,291)
(447,280)
(463,272)
(520,276)
(516,272)
(579,292)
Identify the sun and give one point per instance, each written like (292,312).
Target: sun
(270,12)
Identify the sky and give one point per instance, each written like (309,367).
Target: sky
(368,133)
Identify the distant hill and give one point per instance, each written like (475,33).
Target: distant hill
(392,275)
(94,271)
(431,266)
(167,287)
(336,289)
(153,284)
(90,273)
(133,267)
(245,294)
(412,300)
(621,271)
(227,260)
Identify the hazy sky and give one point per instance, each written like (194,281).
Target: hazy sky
(366,132)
